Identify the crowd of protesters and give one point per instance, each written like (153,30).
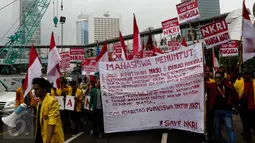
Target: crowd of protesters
(227,94)
(70,120)
(224,95)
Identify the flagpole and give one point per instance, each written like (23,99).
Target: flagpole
(191,32)
(241,49)
(205,113)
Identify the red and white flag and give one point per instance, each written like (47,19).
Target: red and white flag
(103,56)
(248,34)
(34,70)
(215,62)
(137,46)
(124,48)
(184,43)
(53,69)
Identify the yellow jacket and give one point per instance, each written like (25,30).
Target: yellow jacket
(226,75)
(50,115)
(78,102)
(20,98)
(239,86)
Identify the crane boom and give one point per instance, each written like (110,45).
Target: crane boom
(29,22)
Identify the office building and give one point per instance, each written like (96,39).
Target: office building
(208,8)
(82,29)
(104,25)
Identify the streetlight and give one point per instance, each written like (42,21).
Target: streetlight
(62,21)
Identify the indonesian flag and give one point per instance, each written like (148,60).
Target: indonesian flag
(103,56)
(34,70)
(215,62)
(184,43)
(53,69)
(248,34)
(137,47)
(124,48)
(157,51)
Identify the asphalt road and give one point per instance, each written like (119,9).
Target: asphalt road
(153,136)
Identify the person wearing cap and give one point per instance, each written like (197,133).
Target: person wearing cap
(223,69)
(245,86)
(222,97)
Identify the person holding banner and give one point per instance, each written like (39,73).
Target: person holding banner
(95,106)
(222,97)
(48,123)
(78,96)
(64,114)
(30,102)
(245,87)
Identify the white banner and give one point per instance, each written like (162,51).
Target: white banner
(165,91)
(86,103)
(60,102)
(70,102)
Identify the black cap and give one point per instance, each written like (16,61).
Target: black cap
(246,71)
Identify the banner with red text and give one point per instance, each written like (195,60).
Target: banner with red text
(188,11)
(161,92)
(215,33)
(65,61)
(89,66)
(171,27)
(77,54)
(173,46)
(229,49)
(117,52)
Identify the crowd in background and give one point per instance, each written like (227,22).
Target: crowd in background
(73,120)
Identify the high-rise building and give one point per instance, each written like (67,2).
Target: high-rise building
(82,29)
(24,7)
(208,8)
(104,25)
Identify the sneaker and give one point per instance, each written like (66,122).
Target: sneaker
(27,133)
(16,134)
(91,132)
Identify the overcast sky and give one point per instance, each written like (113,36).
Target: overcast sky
(148,13)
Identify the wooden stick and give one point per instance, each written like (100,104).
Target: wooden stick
(191,32)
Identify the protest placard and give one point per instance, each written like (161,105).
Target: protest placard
(188,11)
(89,66)
(60,102)
(229,49)
(215,33)
(65,61)
(70,102)
(77,54)
(165,91)
(86,103)
(171,27)
(173,46)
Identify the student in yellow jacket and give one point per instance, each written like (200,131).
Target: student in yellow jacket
(29,101)
(48,123)
(245,88)
(76,114)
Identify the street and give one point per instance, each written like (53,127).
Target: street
(153,136)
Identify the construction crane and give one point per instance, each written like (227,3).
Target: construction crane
(30,21)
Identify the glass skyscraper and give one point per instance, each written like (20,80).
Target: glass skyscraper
(208,8)
(82,30)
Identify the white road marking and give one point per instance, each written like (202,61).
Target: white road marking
(164,138)
(74,137)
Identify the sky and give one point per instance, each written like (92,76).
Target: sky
(149,13)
